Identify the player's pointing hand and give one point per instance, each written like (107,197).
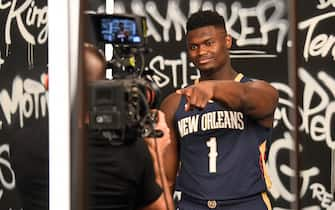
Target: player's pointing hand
(197,95)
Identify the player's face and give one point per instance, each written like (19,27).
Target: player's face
(208,48)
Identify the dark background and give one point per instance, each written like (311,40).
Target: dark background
(258,28)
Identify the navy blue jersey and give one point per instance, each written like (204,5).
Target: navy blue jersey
(222,152)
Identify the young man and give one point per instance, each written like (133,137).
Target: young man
(122,34)
(220,127)
(125,176)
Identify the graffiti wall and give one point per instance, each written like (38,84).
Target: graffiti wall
(23,98)
(260,50)
(260,34)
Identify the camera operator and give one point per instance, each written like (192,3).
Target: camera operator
(125,176)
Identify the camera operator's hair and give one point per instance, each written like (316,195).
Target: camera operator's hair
(204,18)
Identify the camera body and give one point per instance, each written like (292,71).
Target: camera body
(122,108)
(120,104)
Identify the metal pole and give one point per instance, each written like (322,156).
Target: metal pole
(79,184)
(294,114)
(59,105)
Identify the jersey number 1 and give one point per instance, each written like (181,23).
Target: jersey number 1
(211,143)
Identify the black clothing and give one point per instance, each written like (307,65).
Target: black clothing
(120,177)
(30,161)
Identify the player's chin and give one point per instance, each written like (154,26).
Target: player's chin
(206,67)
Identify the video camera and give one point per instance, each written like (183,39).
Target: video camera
(120,108)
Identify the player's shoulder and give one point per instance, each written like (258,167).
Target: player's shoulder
(255,82)
(263,85)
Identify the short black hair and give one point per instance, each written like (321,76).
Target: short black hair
(203,18)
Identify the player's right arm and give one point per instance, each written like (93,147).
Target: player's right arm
(171,157)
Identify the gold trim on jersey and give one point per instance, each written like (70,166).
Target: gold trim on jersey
(238,77)
(262,150)
(266,200)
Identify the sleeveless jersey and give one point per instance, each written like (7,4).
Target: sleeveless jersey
(222,152)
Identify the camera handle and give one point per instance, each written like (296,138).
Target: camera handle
(150,131)
(156,134)
(154,118)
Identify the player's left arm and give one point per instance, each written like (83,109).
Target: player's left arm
(256,98)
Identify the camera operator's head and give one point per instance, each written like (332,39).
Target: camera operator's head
(94,63)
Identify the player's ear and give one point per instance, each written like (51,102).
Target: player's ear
(229,41)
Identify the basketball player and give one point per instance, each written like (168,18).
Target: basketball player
(220,127)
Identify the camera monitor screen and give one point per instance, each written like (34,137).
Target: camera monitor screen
(117,29)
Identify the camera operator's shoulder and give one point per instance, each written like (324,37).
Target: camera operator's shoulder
(170,104)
